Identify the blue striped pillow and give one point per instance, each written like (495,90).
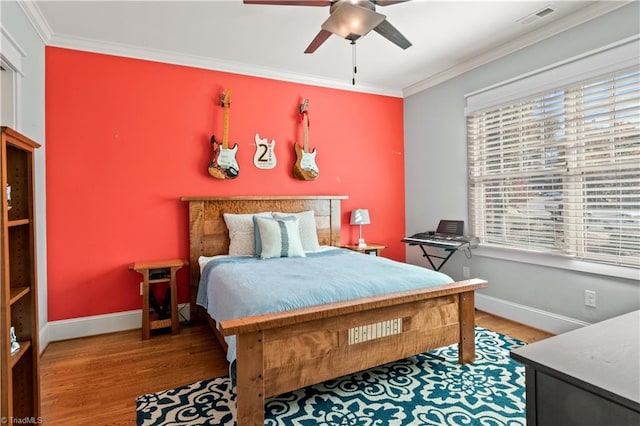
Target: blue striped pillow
(279,237)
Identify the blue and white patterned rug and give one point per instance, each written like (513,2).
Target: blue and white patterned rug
(420,390)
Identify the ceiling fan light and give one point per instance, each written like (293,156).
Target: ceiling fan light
(352,22)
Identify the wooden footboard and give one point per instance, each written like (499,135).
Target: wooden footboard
(280,352)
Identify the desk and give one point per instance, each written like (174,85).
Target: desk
(589,376)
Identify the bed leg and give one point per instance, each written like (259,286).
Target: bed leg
(467,343)
(249,379)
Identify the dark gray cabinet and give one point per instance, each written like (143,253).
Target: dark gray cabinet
(589,376)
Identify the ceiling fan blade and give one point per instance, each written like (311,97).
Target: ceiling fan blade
(320,38)
(388,31)
(290,2)
(387,2)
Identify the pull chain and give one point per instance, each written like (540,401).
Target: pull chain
(353,57)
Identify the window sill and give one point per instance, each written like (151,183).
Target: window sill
(556,261)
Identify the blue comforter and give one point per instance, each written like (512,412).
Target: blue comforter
(235,287)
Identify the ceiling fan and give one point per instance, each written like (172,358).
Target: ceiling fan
(350,19)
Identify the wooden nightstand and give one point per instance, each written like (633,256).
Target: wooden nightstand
(372,249)
(159,272)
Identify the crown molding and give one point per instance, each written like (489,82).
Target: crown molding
(128,51)
(210,64)
(35,16)
(584,15)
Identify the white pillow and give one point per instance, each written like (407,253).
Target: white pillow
(280,237)
(308,232)
(241,233)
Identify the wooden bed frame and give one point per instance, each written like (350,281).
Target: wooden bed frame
(284,351)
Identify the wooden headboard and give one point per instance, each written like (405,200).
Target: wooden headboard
(208,234)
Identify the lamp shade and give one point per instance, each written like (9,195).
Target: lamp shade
(352,22)
(360,217)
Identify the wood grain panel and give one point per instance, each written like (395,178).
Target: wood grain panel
(352,358)
(295,343)
(297,346)
(250,378)
(418,313)
(366,305)
(467,345)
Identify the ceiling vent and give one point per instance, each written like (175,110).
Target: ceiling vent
(542,13)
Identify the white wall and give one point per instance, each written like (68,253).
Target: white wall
(436,182)
(30,121)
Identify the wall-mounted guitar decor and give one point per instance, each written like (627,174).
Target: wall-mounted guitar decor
(223,164)
(265,156)
(305,167)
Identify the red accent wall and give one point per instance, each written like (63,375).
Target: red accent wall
(126,138)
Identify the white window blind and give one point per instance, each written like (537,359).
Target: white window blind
(559,171)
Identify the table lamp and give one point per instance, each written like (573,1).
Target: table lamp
(360,217)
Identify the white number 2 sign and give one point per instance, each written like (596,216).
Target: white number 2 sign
(265,156)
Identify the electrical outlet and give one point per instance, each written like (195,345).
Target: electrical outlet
(590,298)
(465,272)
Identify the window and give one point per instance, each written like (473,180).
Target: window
(559,171)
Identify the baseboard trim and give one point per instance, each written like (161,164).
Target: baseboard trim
(54,331)
(44,338)
(73,328)
(542,320)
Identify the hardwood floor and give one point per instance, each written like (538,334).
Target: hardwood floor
(95,380)
(510,328)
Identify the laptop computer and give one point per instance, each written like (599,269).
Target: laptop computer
(450,227)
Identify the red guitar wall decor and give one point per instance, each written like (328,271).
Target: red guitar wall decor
(305,167)
(223,164)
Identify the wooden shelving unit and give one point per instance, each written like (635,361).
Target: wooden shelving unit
(19,371)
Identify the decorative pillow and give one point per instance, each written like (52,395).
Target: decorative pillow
(308,232)
(280,237)
(241,233)
(256,232)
